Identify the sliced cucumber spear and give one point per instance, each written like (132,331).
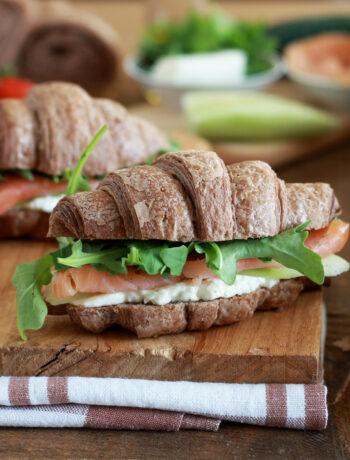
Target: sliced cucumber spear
(333,266)
(228,115)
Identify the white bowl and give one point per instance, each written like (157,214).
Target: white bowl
(322,89)
(170,95)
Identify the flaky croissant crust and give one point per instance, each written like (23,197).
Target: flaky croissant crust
(49,130)
(192,195)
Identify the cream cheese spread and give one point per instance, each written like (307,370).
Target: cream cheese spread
(44,203)
(185,291)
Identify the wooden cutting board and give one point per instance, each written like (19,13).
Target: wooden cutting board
(273,346)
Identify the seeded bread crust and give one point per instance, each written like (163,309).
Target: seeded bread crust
(154,320)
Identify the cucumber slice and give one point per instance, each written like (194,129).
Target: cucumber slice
(229,115)
(333,266)
(276,273)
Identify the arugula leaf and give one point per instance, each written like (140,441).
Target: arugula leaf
(228,268)
(168,258)
(287,248)
(148,255)
(174,146)
(76,179)
(100,176)
(79,257)
(64,241)
(26,173)
(174,259)
(213,254)
(28,279)
(153,257)
(131,259)
(82,181)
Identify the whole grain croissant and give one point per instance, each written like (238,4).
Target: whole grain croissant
(49,130)
(190,196)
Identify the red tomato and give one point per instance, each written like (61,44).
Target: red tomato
(14,87)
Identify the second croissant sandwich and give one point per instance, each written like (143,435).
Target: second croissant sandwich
(185,243)
(41,140)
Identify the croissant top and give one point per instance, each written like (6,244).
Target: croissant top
(49,130)
(190,196)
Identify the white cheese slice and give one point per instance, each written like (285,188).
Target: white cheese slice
(185,291)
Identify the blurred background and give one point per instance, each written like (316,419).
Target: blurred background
(250,79)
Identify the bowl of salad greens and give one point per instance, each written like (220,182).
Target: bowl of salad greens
(210,51)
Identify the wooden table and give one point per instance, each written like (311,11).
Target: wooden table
(232,440)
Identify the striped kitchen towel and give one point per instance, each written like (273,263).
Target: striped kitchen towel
(155,405)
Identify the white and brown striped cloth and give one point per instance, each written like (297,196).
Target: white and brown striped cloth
(134,404)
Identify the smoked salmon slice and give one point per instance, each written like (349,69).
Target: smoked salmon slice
(87,279)
(14,189)
(329,240)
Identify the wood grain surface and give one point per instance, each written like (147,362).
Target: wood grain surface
(272,346)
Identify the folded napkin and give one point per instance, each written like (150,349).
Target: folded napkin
(155,405)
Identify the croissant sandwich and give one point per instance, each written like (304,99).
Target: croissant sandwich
(185,243)
(41,140)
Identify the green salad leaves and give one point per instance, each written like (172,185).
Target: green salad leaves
(26,173)
(156,257)
(167,258)
(287,248)
(200,33)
